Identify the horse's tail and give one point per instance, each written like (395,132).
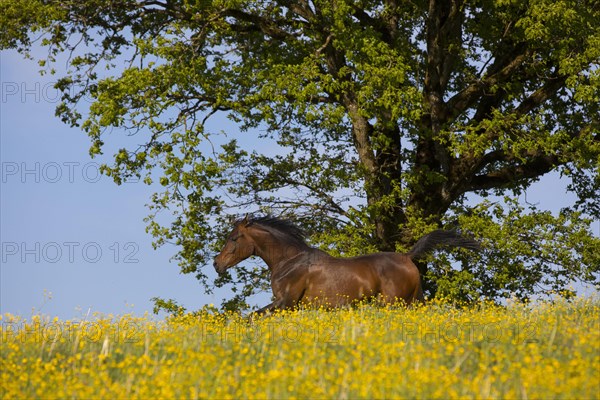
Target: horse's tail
(440,238)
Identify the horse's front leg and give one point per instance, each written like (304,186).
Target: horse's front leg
(278,304)
(265,309)
(258,313)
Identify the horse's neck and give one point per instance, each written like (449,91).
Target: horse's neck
(274,250)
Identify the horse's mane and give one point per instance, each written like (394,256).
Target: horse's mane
(280,226)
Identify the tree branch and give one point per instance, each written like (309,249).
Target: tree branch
(466,167)
(541,95)
(468,96)
(300,8)
(258,24)
(331,204)
(514,174)
(444,27)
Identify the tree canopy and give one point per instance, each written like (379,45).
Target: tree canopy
(369,122)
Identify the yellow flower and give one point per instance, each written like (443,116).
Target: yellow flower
(433,351)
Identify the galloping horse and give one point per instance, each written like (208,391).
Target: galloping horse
(303,274)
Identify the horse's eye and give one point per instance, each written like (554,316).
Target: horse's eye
(234,238)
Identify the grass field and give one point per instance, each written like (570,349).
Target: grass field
(546,350)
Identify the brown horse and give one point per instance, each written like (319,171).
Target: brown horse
(302,274)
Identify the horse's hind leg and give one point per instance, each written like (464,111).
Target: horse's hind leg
(418,296)
(401,292)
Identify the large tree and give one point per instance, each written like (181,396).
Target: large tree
(371,122)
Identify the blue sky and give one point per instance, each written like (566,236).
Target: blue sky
(65,229)
(73,242)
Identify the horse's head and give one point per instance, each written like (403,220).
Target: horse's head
(239,246)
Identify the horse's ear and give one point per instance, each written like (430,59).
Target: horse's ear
(246,221)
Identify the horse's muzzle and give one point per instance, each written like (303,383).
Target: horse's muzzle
(218,267)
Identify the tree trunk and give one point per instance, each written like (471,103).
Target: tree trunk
(382,169)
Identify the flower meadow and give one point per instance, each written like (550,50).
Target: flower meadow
(541,350)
